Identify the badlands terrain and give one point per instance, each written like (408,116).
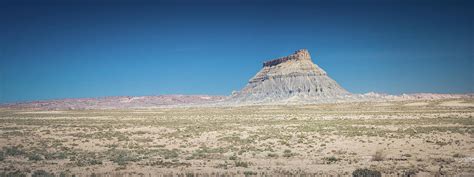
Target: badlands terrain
(418,137)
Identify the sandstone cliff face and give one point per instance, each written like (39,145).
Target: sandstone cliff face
(291,77)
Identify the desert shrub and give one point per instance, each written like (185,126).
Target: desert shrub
(2,157)
(242,164)
(13,151)
(190,175)
(249,173)
(406,155)
(366,173)
(34,157)
(287,153)
(42,173)
(173,164)
(95,162)
(64,174)
(13,174)
(47,132)
(169,154)
(409,173)
(444,160)
(440,143)
(121,137)
(458,155)
(378,156)
(282,142)
(123,157)
(56,155)
(272,155)
(331,159)
(197,155)
(242,151)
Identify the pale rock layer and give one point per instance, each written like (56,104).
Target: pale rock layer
(293,77)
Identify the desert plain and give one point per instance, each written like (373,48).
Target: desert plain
(391,138)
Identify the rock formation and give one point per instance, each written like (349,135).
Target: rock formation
(117,102)
(294,77)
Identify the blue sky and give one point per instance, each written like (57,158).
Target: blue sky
(71,49)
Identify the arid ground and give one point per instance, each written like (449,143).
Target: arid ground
(425,138)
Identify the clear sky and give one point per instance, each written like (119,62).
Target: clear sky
(70,49)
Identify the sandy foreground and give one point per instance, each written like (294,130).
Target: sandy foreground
(422,138)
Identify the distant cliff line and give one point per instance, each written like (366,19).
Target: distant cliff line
(301,54)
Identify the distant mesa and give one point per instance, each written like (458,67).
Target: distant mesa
(290,77)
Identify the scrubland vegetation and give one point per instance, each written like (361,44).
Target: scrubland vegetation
(348,138)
